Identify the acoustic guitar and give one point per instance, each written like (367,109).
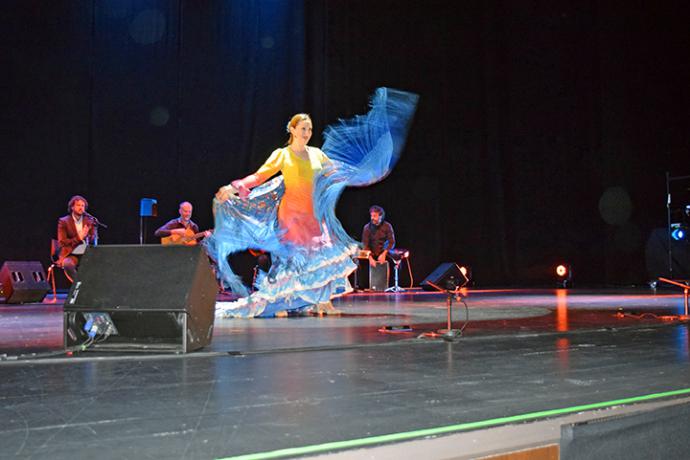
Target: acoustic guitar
(188,238)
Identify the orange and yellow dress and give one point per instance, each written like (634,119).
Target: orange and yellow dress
(296,209)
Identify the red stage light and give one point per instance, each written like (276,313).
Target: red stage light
(561,270)
(564,273)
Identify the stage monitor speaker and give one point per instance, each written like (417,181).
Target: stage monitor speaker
(23,282)
(446,276)
(153,297)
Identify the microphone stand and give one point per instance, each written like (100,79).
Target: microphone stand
(98,224)
(96,221)
(452,289)
(449,333)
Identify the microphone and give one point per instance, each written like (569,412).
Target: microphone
(96,221)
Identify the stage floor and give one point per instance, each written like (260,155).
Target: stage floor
(318,384)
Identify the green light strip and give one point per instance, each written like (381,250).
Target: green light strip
(406,435)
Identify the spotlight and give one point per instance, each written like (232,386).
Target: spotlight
(564,275)
(678,234)
(467,273)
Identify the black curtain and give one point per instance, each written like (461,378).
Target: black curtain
(543,132)
(122,100)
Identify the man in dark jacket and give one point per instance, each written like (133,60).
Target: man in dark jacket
(74,232)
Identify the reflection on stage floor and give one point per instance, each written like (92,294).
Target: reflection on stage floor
(286,383)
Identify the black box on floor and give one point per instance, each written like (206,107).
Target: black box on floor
(23,282)
(158,298)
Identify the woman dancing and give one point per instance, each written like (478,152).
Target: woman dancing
(293,215)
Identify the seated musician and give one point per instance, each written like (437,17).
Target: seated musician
(181,230)
(377,236)
(74,232)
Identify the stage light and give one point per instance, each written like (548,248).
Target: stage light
(564,275)
(678,234)
(467,273)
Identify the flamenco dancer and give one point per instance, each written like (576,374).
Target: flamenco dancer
(293,215)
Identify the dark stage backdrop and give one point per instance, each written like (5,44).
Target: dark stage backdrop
(543,132)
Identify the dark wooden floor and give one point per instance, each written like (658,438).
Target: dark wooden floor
(268,384)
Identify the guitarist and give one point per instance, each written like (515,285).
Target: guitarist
(182,226)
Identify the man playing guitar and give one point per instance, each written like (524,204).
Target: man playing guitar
(74,232)
(181,230)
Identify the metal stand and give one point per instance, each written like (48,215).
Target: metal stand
(397,255)
(148,207)
(669,230)
(395,287)
(141,229)
(448,333)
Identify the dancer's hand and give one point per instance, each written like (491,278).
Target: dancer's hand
(225,192)
(242,189)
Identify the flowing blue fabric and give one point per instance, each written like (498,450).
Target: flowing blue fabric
(362,150)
